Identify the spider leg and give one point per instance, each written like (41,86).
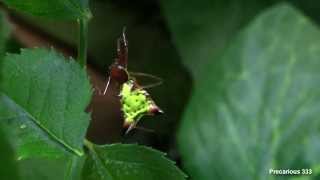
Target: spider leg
(145,129)
(132,126)
(158,81)
(106,88)
(122,50)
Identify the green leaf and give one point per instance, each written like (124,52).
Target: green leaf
(42,100)
(4,32)
(202,29)
(130,162)
(8,168)
(257,107)
(57,9)
(62,168)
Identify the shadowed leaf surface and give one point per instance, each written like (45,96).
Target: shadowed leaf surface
(257,106)
(202,29)
(57,9)
(4,32)
(8,167)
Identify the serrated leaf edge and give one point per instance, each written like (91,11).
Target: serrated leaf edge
(161,154)
(70,60)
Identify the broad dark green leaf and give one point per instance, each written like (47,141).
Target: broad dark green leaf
(55,9)
(257,107)
(42,100)
(130,162)
(202,29)
(8,167)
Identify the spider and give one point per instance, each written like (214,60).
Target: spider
(135,101)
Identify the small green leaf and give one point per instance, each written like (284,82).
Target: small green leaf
(130,162)
(42,98)
(55,9)
(257,107)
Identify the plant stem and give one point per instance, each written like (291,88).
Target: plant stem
(83,41)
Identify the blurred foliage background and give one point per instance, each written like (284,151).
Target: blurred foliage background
(232,95)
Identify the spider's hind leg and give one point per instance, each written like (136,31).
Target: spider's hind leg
(107,85)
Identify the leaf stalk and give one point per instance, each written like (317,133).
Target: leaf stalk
(83,41)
